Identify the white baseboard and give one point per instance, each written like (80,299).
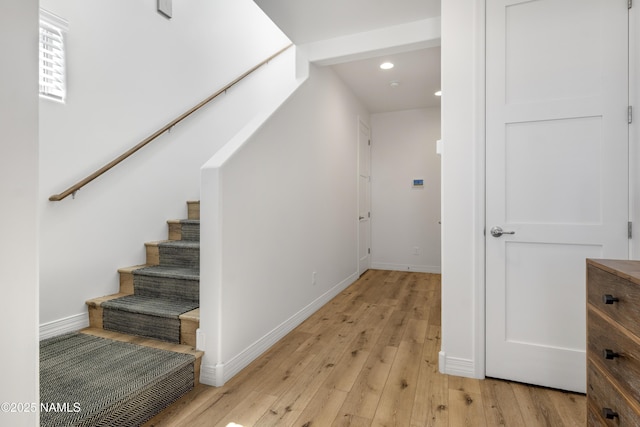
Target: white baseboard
(433,269)
(456,366)
(62,326)
(221,373)
(212,375)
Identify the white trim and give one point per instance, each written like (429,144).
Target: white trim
(479,347)
(399,38)
(53,19)
(434,269)
(456,366)
(223,372)
(62,326)
(212,375)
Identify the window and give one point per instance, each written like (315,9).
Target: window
(52,62)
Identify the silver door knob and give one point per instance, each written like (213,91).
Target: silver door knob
(498,231)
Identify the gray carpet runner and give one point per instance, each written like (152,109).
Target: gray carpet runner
(180,253)
(167,282)
(190,229)
(146,316)
(108,383)
(161,293)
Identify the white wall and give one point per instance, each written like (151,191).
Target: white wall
(131,71)
(18,192)
(285,206)
(462,350)
(404,218)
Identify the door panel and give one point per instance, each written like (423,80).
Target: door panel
(557,177)
(364,198)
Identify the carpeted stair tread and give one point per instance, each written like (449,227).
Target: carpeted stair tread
(154,306)
(169,271)
(189,244)
(113,382)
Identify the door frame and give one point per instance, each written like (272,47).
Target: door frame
(361,122)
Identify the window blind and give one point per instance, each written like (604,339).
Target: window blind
(52,62)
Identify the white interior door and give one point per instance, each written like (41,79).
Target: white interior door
(364,197)
(557,177)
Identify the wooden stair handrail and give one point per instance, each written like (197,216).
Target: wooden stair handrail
(147,140)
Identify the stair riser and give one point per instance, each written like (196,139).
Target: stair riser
(95,317)
(188,334)
(167,287)
(142,325)
(193,210)
(177,257)
(187,328)
(180,231)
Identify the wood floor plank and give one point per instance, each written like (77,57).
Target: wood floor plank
(466,409)
(500,404)
(430,407)
(362,401)
(323,408)
(570,407)
(370,357)
(396,403)
(249,411)
(536,406)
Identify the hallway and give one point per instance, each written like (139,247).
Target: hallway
(370,358)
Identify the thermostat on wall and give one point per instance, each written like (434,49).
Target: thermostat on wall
(418,183)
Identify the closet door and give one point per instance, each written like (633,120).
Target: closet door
(557,178)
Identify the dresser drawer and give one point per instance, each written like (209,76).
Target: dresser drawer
(625,311)
(601,395)
(625,367)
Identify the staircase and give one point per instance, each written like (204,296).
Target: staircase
(160,299)
(155,311)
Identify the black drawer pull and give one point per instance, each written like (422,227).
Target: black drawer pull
(610,354)
(609,299)
(609,414)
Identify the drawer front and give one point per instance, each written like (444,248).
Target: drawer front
(626,311)
(601,394)
(624,364)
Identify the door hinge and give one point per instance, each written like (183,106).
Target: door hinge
(630,230)
(369,250)
(370,140)
(630,4)
(630,114)
(369,214)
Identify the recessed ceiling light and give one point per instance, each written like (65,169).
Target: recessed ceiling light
(438,93)
(386,65)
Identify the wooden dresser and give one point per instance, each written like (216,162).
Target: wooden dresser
(613,343)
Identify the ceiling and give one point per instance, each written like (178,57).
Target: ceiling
(417,74)
(416,71)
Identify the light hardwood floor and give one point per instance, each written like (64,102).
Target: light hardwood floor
(370,358)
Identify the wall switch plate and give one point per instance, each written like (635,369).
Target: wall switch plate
(165,8)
